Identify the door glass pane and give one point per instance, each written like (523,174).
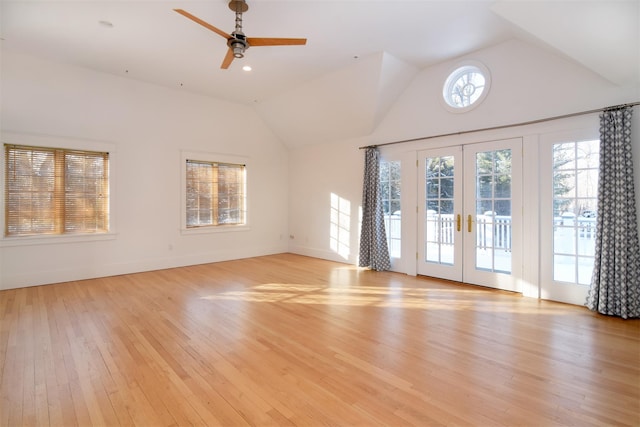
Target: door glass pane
(439,213)
(446,188)
(485,187)
(564,268)
(503,187)
(502,160)
(493,211)
(390,189)
(484,163)
(575,186)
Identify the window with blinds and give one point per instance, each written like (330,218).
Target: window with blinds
(55,191)
(215,194)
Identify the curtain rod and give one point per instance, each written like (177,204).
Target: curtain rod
(532,122)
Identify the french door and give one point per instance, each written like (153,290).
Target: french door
(440,213)
(568,212)
(470,213)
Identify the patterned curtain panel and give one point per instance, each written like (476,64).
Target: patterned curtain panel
(615,285)
(374,252)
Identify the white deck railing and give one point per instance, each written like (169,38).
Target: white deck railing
(493,231)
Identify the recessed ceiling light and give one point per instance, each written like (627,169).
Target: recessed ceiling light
(247,68)
(106,24)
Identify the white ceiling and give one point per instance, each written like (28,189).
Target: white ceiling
(150,42)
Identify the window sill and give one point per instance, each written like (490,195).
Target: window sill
(54,239)
(214,229)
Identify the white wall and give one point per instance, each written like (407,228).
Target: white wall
(290,192)
(148,126)
(528,83)
(326,180)
(346,103)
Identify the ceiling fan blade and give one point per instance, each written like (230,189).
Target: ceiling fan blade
(203,23)
(270,41)
(227,59)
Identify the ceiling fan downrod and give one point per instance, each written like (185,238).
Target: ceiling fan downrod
(239,41)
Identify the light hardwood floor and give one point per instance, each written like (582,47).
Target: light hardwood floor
(291,340)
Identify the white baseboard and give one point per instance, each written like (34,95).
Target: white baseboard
(321,253)
(37,278)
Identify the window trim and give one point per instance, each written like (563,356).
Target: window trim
(454,73)
(214,158)
(45,141)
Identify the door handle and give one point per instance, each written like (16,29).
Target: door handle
(459,222)
(469,222)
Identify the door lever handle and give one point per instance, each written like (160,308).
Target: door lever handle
(469,222)
(459,222)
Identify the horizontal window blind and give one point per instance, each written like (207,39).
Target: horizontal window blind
(215,194)
(55,191)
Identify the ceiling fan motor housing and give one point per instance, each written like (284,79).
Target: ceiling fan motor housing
(238,43)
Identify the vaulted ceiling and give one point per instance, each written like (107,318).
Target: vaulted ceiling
(384,42)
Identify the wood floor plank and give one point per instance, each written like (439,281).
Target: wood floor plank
(291,340)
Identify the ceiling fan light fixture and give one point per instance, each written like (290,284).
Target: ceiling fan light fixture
(238,50)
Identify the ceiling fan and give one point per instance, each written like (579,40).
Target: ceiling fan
(238,43)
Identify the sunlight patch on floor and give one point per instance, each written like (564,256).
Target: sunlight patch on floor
(392,297)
